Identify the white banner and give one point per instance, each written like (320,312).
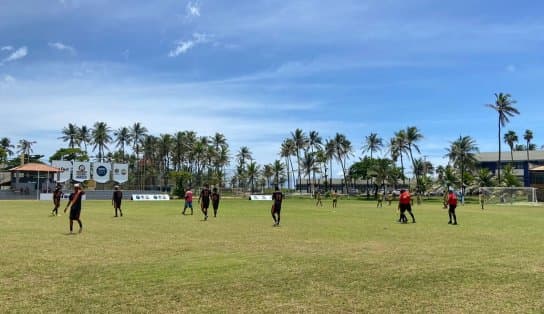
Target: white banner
(82,171)
(260,197)
(120,173)
(66,167)
(150,197)
(101,172)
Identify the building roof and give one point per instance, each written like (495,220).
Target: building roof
(35,167)
(534,155)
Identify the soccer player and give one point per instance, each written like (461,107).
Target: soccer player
(405,205)
(75,207)
(318,198)
(277,198)
(188,201)
(205,198)
(116,200)
(452,203)
(215,201)
(334,199)
(380,200)
(57,195)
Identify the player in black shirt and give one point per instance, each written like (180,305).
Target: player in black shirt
(57,195)
(116,200)
(204,200)
(75,207)
(277,198)
(215,201)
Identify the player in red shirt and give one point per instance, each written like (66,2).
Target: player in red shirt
(452,203)
(188,201)
(405,205)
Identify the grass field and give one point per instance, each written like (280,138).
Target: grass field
(355,258)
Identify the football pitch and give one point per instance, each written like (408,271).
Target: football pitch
(352,259)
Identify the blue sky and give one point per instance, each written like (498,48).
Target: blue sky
(257,70)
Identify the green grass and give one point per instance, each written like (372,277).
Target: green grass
(351,259)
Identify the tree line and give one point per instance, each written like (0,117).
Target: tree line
(306,159)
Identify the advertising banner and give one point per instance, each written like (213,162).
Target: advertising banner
(82,171)
(120,173)
(66,167)
(101,172)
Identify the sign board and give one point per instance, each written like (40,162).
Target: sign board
(260,197)
(150,197)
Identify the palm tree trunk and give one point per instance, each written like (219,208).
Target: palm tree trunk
(499,162)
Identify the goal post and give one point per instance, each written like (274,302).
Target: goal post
(509,195)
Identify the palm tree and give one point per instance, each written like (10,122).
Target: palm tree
(484,178)
(315,144)
(504,107)
(70,134)
(528,137)
(252,173)
(511,138)
(343,150)
(5,143)
(277,169)
(101,137)
(462,154)
(288,149)
(372,143)
(412,137)
(397,147)
(268,172)
(122,139)
(308,165)
(137,134)
(330,153)
(301,142)
(84,136)
(25,149)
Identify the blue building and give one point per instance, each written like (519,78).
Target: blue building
(521,166)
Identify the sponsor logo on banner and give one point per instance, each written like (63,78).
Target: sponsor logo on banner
(66,169)
(260,197)
(150,197)
(101,172)
(81,171)
(120,173)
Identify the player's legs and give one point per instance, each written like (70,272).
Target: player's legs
(80,225)
(452,210)
(71,226)
(215,208)
(273,212)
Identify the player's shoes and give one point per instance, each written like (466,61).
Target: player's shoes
(455,223)
(449,222)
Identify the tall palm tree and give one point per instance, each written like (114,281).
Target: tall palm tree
(301,142)
(122,139)
(372,143)
(5,143)
(412,137)
(343,150)
(330,153)
(84,137)
(462,154)
(484,177)
(101,137)
(137,134)
(277,169)
(504,107)
(315,142)
(252,173)
(25,149)
(511,138)
(398,146)
(528,137)
(243,154)
(268,172)
(287,150)
(70,135)
(308,165)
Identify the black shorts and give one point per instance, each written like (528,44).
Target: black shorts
(452,208)
(117,203)
(215,205)
(405,207)
(205,203)
(56,201)
(277,207)
(74,213)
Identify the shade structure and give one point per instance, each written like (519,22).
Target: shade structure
(35,167)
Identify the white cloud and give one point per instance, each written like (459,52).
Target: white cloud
(16,55)
(6,48)
(192,9)
(184,46)
(8,79)
(62,47)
